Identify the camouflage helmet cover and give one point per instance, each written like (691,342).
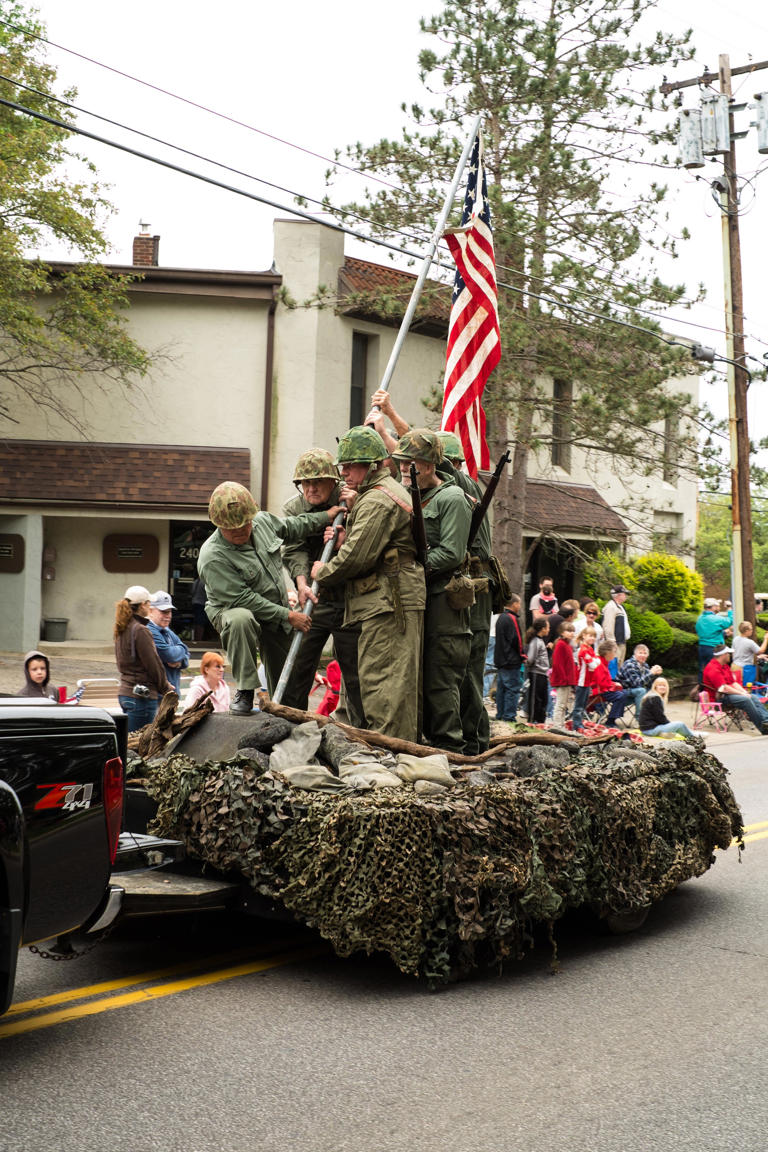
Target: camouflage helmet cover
(361,445)
(316,464)
(231,505)
(419,444)
(452,448)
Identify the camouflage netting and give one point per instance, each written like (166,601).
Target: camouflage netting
(444,883)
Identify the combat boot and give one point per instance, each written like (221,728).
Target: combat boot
(242,705)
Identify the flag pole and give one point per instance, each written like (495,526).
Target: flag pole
(293,651)
(290,660)
(426,264)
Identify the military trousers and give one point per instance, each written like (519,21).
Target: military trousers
(389,666)
(327,621)
(244,639)
(447,646)
(475,723)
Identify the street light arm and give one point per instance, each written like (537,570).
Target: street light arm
(709,356)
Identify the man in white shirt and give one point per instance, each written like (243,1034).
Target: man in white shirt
(615,621)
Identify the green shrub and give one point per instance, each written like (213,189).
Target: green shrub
(684,652)
(651,629)
(604,570)
(684,620)
(665,584)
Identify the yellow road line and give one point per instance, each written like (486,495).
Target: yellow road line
(41,1002)
(145,995)
(756,836)
(754,827)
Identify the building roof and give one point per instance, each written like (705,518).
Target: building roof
(380,293)
(551,507)
(146,476)
(190,281)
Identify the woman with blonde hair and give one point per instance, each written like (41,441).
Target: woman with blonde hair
(211,679)
(142,676)
(653,719)
(591,612)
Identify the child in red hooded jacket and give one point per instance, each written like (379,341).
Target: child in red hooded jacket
(604,684)
(564,673)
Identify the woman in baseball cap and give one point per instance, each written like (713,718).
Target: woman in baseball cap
(142,676)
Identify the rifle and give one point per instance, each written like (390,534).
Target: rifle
(417,524)
(480,510)
(293,651)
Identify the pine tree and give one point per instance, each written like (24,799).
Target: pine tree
(61,328)
(568,125)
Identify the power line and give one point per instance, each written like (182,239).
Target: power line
(561,304)
(189,152)
(195,104)
(266,183)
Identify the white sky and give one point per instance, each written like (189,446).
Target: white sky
(322,76)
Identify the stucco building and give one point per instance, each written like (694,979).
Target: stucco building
(245,378)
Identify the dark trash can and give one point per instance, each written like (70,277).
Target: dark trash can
(55,629)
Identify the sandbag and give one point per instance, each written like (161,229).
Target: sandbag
(433,768)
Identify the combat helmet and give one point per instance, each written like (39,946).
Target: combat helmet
(419,444)
(317,464)
(361,445)
(452,449)
(231,505)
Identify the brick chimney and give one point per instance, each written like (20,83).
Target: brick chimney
(146,248)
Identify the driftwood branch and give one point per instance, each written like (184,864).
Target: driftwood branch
(152,739)
(393,744)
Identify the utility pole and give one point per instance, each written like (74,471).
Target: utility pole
(738,381)
(738,377)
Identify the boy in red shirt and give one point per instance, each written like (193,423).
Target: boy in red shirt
(563,674)
(587,662)
(604,684)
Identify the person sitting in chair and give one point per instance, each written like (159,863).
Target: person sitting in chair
(635,676)
(604,685)
(719,679)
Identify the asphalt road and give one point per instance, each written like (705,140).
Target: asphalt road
(655,1040)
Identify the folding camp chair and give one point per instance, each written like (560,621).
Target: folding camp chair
(596,708)
(708,710)
(709,713)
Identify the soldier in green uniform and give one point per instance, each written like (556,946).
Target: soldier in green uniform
(317,478)
(474,718)
(241,568)
(383,585)
(447,636)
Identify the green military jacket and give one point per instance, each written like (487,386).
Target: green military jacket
(481,545)
(251,575)
(299,556)
(377,561)
(447,515)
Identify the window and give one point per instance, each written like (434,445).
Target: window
(667,530)
(669,471)
(358,383)
(562,403)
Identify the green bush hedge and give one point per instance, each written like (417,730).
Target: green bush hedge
(657,581)
(605,569)
(684,652)
(651,629)
(684,620)
(665,584)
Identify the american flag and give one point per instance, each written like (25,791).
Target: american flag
(474,339)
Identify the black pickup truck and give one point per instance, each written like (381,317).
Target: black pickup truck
(61,806)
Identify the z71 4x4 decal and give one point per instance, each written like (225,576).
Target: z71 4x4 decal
(69,797)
